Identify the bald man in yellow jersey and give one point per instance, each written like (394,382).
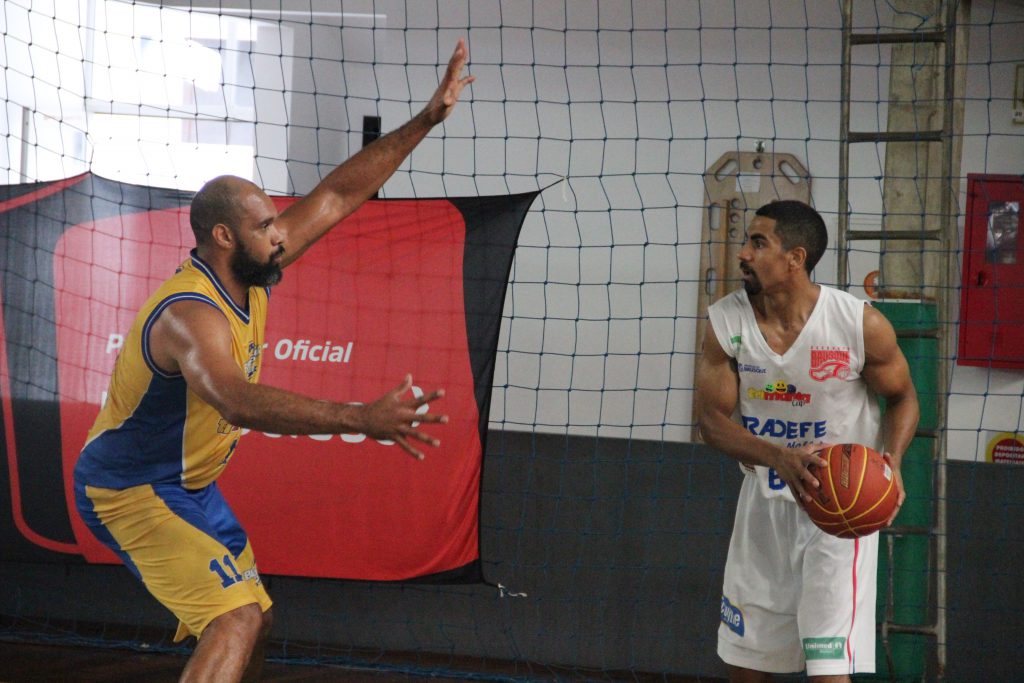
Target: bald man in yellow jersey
(185,384)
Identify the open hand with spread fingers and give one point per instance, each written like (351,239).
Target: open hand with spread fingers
(394,418)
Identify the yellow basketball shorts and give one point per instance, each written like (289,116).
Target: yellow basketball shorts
(185,546)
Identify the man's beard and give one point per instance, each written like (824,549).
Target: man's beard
(253,273)
(752,284)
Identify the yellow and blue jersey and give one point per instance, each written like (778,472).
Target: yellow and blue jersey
(153,429)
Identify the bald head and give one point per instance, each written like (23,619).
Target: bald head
(218,201)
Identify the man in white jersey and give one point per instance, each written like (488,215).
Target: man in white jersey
(789,365)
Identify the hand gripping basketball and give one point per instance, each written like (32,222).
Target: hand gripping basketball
(859,491)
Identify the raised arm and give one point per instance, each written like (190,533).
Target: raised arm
(194,339)
(887,373)
(717,396)
(357,179)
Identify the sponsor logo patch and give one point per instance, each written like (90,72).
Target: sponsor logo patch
(786,429)
(737,343)
(824,648)
(732,616)
(780,390)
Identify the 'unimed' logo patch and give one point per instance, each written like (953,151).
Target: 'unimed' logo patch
(824,648)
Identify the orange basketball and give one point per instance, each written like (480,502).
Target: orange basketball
(857,494)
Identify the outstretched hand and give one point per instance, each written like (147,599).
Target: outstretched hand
(392,417)
(450,87)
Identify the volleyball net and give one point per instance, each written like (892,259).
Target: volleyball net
(652,131)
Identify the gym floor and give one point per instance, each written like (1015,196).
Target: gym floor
(38,663)
(22,662)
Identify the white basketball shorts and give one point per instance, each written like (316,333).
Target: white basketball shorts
(793,596)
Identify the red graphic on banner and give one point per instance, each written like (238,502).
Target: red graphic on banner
(11,445)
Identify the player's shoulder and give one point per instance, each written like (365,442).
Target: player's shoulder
(875,321)
(733,301)
(186,276)
(839,299)
(830,292)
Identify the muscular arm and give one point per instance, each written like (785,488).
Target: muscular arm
(887,373)
(194,339)
(717,397)
(358,178)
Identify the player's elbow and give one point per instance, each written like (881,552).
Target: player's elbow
(905,397)
(235,415)
(907,404)
(232,403)
(708,425)
(707,433)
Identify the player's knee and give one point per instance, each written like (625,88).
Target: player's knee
(251,620)
(245,621)
(267,620)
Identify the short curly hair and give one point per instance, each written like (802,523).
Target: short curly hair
(798,225)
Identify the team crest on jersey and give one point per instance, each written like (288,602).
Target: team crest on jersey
(828,362)
(225,427)
(253,361)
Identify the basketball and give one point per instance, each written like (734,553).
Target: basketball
(858,491)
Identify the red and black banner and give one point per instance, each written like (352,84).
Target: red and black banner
(401,286)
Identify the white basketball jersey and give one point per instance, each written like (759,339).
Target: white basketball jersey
(811,394)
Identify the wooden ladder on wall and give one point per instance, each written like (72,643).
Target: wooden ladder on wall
(917,235)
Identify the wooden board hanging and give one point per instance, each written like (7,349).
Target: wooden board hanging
(736,186)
